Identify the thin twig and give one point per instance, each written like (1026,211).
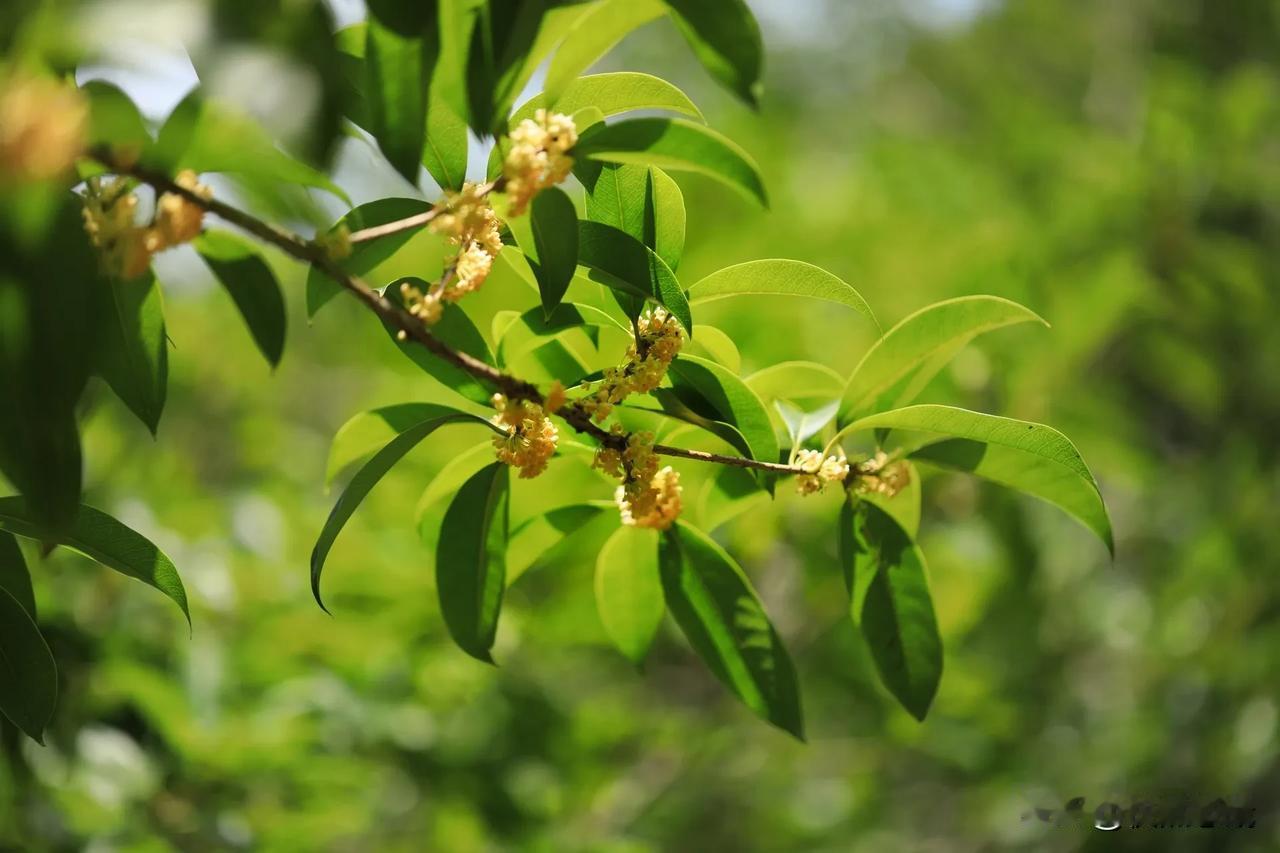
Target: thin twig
(401,320)
(418,220)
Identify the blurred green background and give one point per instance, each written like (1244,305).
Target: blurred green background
(1113,165)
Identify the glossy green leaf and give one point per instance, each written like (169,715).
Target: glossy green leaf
(727,494)
(726,39)
(100,537)
(642,201)
(900,364)
(471,559)
(552,247)
(591,37)
(14,577)
(1029,457)
(456,330)
(447,481)
(715,344)
(208,136)
(28,674)
(721,615)
(369,253)
(778,278)
(368,432)
(678,145)
(629,590)
(445,153)
(713,392)
(398,70)
(803,425)
(537,540)
(890,602)
(613,93)
(252,286)
(133,349)
(796,380)
(432,418)
(528,330)
(631,268)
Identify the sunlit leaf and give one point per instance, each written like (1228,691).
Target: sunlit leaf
(721,615)
(398,70)
(28,674)
(642,201)
(629,590)
(900,364)
(369,253)
(778,278)
(678,145)
(726,39)
(471,559)
(252,286)
(445,153)
(890,602)
(711,391)
(796,380)
(728,493)
(102,538)
(613,93)
(803,425)
(528,330)
(536,541)
(133,350)
(454,329)
(591,37)
(432,418)
(631,268)
(710,342)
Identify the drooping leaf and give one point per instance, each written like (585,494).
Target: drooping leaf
(536,541)
(726,39)
(548,236)
(445,152)
(591,37)
(398,68)
(102,538)
(631,268)
(721,615)
(613,93)
(456,330)
(432,418)
(252,286)
(713,392)
(890,602)
(900,364)
(133,351)
(28,674)
(1032,458)
(678,145)
(367,254)
(471,559)
(629,590)
(205,135)
(14,577)
(778,278)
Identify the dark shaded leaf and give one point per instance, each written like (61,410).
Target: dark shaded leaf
(471,559)
(367,254)
(726,39)
(252,285)
(28,674)
(631,268)
(398,69)
(133,348)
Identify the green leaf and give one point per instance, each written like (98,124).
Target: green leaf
(454,329)
(133,351)
(100,537)
(398,69)
(802,425)
(549,240)
(778,278)
(631,268)
(629,590)
(28,674)
(591,37)
(726,39)
(713,343)
(367,254)
(14,577)
(721,615)
(900,364)
(366,433)
(406,19)
(796,380)
(208,136)
(613,93)
(1030,457)
(114,119)
(642,201)
(535,541)
(890,601)
(432,417)
(471,559)
(445,152)
(252,286)
(529,330)
(446,483)
(904,507)
(711,391)
(726,495)
(678,145)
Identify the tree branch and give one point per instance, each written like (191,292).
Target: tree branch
(401,320)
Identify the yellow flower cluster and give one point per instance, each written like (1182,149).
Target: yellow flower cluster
(530,438)
(648,358)
(538,157)
(127,247)
(880,476)
(648,497)
(469,222)
(42,128)
(819,470)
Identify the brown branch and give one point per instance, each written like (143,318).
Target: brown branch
(406,325)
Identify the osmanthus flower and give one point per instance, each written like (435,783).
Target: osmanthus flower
(530,438)
(648,358)
(109,213)
(648,497)
(43,124)
(538,157)
(468,220)
(178,220)
(819,470)
(880,476)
